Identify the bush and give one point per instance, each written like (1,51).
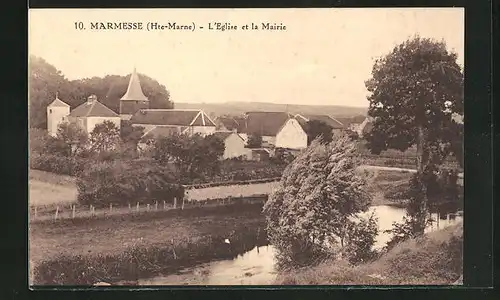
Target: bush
(57,164)
(360,241)
(119,183)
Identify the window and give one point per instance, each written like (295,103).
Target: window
(50,111)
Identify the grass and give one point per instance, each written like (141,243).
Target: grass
(47,188)
(434,259)
(386,186)
(85,243)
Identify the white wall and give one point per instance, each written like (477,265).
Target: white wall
(55,116)
(235,147)
(291,136)
(93,121)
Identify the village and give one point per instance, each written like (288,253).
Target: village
(310,165)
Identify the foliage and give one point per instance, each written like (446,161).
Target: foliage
(120,183)
(57,164)
(73,137)
(415,92)
(361,237)
(418,85)
(311,209)
(105,137)
(46,81)
(254,141)
(318,129)
(195,156)
(130,138)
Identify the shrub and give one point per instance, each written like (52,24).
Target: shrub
(361,238)
(57,164)
(120,183)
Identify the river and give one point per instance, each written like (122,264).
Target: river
(256,267)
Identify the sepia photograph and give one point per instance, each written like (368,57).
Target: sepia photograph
(246,147)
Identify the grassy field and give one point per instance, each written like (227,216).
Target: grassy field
(436,258)
(47,188)
(67,251)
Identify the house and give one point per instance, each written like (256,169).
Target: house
(57,113)
(87,115)
(183,121)
(352,123)
(234,145)
(336,125)
(277,129)
(226,123)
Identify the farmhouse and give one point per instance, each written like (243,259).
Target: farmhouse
(87,115)
(336,125)
(234,145)
(277,129)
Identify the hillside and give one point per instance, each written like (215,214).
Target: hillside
(237,108)
(436,258)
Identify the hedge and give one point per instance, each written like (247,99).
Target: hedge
(57,164)
(120,183)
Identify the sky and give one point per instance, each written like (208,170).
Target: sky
(323,57)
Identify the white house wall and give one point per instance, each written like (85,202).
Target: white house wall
(291,136)
(235,147)
(56,116)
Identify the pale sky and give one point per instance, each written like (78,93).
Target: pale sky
(323,57)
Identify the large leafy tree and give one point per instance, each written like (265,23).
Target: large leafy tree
(195,156)
(73,137)
(254,141)
(415,92)
(105,137)
(317,129)
(130,137)
(315,204)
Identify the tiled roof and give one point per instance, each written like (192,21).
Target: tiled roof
(134,90)
(93,109)
(58,103)
(171,117)
(265,123)
(335,124)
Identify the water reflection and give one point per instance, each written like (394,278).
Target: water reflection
(256,267)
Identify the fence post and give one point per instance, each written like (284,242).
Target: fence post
(175,202)
(164,204)
(182,208)
(57,213)
(110,207)
(173,249)
(147,205)
(137,206)
(156,205)
(73,212)
(129,207)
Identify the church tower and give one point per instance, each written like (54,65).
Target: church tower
(134,99)
(57,112)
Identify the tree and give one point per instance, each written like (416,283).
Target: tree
(195,156)
(105,137)
(318,129)
(73,137)
(254,141)
(130,137)
(316,202)
(414,92)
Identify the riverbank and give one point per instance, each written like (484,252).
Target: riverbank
(434,259)
(83,252)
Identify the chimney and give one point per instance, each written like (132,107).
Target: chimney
(91,99)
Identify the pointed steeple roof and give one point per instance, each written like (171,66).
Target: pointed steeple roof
(134,90)
(58,102)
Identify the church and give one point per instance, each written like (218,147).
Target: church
(134,107)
